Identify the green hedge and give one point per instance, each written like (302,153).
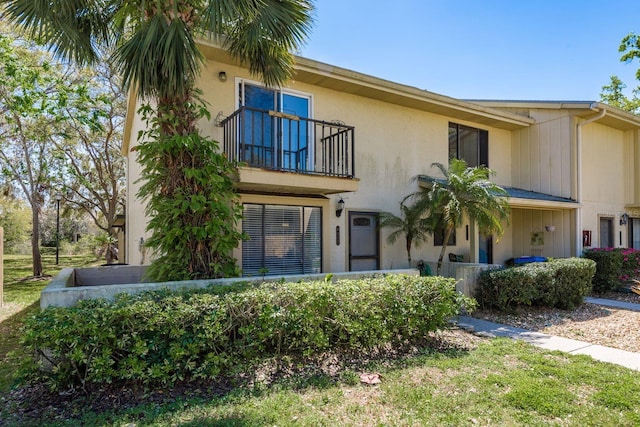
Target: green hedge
(561,283)
(608,267)
(161,337)
(614,267)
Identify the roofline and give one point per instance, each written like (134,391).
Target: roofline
(366,80)
(594,106)
(523,203)
(312,71)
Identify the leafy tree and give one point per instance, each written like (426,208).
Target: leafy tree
(411,223)
(74,222)
(94,168)
(30,90)
(157,54)
(612,94)
(630,49)
(464,191)
(15,218)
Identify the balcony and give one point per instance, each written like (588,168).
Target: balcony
(283,153)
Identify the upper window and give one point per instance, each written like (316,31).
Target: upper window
(469,144)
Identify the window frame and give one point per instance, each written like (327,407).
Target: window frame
(438,237)
(482,144)
(300,237)
(610,231)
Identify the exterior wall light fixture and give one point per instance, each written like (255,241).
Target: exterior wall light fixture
(340,207)
(222,76)
(624,218)
(550,228)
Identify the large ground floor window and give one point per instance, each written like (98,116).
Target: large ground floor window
(282,239)
(634,233)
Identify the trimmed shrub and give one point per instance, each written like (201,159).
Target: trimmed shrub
(630,269)
(608,268)
(163,336)
(561,283)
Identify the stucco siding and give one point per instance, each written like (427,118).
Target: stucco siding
(393,144)
(605,180)
(398,135)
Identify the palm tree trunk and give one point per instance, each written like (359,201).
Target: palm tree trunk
(447,235)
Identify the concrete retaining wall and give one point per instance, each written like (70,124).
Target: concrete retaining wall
(61,293)
(465,273)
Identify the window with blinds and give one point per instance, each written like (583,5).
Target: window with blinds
(282,239)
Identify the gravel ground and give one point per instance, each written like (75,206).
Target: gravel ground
(590,322)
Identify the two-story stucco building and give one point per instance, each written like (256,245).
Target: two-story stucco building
(333,148)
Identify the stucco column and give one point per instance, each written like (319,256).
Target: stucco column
(474,240)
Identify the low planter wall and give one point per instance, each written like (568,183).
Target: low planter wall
(465,273)
(72,285)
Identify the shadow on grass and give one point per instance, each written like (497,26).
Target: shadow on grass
(134,402)
(10,343)
(219,422)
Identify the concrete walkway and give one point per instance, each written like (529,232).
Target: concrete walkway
(550,342)
(612,303)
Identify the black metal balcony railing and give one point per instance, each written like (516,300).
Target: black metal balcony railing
(283,142)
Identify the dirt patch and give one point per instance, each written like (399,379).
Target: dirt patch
(36,403)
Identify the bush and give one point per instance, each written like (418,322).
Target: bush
(163,336)
(630,269)
(608,268)
(561,283)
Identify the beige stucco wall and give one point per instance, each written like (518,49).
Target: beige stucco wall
(606,179)
(632,168)
(393,144)
(136,221)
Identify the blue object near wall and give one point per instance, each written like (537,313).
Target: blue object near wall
(528,259)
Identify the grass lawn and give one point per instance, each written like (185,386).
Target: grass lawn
(502,382)
(21,298)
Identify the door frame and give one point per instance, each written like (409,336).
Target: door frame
(279,92)
(376,215)
(610,230)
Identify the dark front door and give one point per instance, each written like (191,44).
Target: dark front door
(364,242)
(486,250)
(606,232)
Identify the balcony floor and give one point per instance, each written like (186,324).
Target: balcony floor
(269,181)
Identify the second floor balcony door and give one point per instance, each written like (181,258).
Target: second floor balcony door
(283,144)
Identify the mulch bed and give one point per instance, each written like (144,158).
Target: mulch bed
(37,404)
(593,323)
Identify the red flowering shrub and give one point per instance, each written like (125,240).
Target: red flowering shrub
(614,267)
(630,269)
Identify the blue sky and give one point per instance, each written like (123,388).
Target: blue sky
(480,49)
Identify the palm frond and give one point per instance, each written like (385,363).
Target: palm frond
(262,34)
(74,29)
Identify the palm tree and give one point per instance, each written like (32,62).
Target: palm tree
(155,51)
(411,223)
(464,191)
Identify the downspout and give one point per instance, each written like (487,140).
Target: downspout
(600,115)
